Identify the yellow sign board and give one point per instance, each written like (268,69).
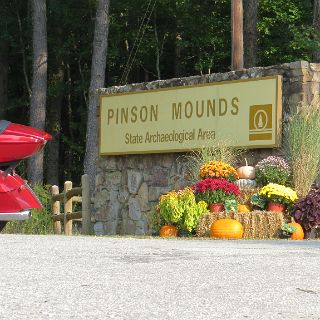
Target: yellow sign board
(245,113)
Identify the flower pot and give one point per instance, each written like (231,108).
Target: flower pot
(276,207)
(168,231)
(216,207)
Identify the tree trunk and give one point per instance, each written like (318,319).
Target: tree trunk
(237,34)
(316,25)
(250,11)
(39,84)
(98,67)
(54,127)
(4,67)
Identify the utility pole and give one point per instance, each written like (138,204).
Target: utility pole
(237,34)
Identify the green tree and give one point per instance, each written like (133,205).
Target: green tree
(285,29)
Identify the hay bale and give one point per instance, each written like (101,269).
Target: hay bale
(256,224)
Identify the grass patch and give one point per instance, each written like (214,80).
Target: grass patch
(40,222)
(221,151)
(302,146)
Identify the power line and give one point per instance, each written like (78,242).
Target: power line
(135,47)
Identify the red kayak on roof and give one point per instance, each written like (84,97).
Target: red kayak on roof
(18,142)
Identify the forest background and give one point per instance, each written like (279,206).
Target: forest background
(180,38)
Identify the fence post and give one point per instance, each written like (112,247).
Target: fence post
(67,209)
(86,204)
(56,210)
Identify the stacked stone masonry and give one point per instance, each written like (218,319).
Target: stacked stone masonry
(127,187)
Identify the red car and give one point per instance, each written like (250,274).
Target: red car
(17,142)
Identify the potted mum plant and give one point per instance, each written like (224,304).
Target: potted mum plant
(179,210)
(215,191)
(272,170)
(306,212)
(278,197)
(218,169)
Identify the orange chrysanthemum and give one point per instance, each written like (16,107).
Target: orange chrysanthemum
(218,169)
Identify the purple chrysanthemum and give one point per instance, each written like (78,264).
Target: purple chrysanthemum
(273,161)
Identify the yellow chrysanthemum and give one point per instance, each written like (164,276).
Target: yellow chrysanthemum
(277,192)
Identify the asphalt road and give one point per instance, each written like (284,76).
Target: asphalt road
(56,277)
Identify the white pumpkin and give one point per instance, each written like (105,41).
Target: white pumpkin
(246,172)
(245,184)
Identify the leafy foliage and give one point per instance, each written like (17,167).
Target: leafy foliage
(285,29)
(182,38)
(231,205)
(307,210)
(40,221)
(287,229)
(181,209)
(258,201)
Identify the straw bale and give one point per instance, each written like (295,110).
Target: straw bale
(256,224)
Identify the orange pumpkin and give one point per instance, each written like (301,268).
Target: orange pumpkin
(168,231)
(299,234)
(226,229)
(244,208)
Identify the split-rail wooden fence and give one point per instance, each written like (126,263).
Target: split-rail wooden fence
(69,196)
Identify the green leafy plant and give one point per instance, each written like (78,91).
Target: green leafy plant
(40,221)
(302,145)
(231,205)
(258,202)
(287,230)
(181,209)
(154,220)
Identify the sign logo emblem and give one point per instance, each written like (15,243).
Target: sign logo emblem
(260,122)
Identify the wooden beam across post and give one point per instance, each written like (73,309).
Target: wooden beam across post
(237,34)
(67,209)
(56,210)
(69,196)
(86,204)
